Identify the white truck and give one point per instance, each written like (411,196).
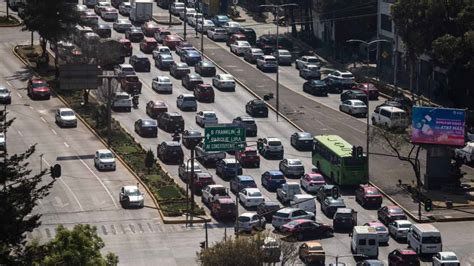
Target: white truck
(466,154)
(286,192)
(142,11)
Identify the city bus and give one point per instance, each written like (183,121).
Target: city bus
(339,160)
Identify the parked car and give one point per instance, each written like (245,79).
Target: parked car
(367,88)
(283,57)
(179,70)
(134,34)
(204,118)
(310,72)
(304,228)
(149,28)
(307,60)
(403,257)
(398,229)
(353,107)
(189,81)
(148,44)
(204,93)
(5,95)
(217,34)
(140,63)
(267,209)
(38,89)
(368,196)
(205,68)
(354,95)
(240,182)
(382,231)
(267,63)
(253,54)
(388,214)
(170,152)
(130,196)
(310,182)
(191,138)
(228,168)
(146,128)
(164,61)
(155,108)
(302,141)
(186,102)
(256,108)
(162,84)
(344,78)
(292,167)
(248,123)
(251,197)
(286,215)
(171,122)
(240,47)
(312,253)
(248,157)
(248,222)
(272,179)
(329,205)
(104,160)
(224,82)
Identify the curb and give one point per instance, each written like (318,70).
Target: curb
(19,23)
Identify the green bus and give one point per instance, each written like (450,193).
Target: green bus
(337,159)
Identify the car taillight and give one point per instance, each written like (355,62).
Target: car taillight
(287,220)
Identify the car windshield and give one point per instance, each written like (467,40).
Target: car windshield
(404,226)
(220,31)
(381,229)
(131,79)
(247,183)
(255,194)
(227,78)
(106,155)
(231,165)
(282,214)
(251,153)
(164,80)
(449,257)
(3,90)
(176,118)
(219,191)
(270,60)
(313,60)
(174,148)
(149,123)
(274,143)
(244,218)
(344,215)
(278,177)
(359,104)
(132,192)
(284,53)
(189,99)
(166,57)
(395,211)
(209,115)
(67,113)
(39,84)
(295,163)
(431,240)
(317,178)
(248,122)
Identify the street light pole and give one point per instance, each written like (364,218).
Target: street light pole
(185,18)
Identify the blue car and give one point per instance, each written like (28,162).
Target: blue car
(273,179)
(228,168)
(220,20)
(190,57)
(240,182)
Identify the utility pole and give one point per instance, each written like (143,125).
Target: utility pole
(109,103)
(185,18)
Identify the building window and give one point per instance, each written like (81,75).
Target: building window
(385,23)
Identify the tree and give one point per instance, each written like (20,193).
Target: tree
(20,190)
(79,246)
(149,160)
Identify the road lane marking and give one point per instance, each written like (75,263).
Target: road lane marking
(44,120)
(19,133)
(9,84)
(19,95)
(65,144)
(31,107)
(54,131)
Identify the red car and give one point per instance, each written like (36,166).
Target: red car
(172,41)
(367,88)
(388,214)
(302,228)
(150,28)
(248,157)
(235,37)
(403,257)
(368,196)
(156,108)
(131,83)
(202,180)
(223,208)
(126,47)
(204,93)
(148,44)
(38,89)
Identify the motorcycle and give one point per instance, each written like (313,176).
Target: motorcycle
(176,136)
(135,101)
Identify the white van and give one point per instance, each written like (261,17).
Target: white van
(424,239)
(305,202)
(365,241)
(391,117)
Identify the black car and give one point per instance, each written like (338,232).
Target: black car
(190,57)
(189,81)
(316,87)
(171,122)
(191,138)
(249,34)
(248,123)
(205,68)
(354,95)
(330,205)
(164,61)
(134,35)
(267,43)
(140,63)
(103,30)
(325,191)
(256,108)
(179,70)
(267,209)
(146,127)
(170,152)
(302,141)
(333,85)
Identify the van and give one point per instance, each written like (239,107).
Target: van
(390,117)
(305,202)
(424,239)
(365,241)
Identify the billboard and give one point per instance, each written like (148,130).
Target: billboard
(440,126)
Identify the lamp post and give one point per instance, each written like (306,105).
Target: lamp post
(277,12)
(367,74)
(194,140)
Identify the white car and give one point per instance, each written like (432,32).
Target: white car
(211,192)
(232,27)
(249,221)
(240,47)
(186,102)
(100,6)
(399,228)
(186,10)
(446,258)
(217,34)
(251,197)
(130,196)
(287,215)
(353,107)
(162,84)
(343,77)
(208,24)
(122,25)
(204,118)
(176,8)
(310,71)
(3,141)
(267,62)
(161,50)
(65,117)
(194,18)
(104,160)
(307,60)
(124,70)
(312,181)
(224,82)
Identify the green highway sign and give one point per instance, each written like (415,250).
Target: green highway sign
(224,137)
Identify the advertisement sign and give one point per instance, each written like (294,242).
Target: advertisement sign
(440,126)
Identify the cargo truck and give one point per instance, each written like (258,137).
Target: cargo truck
(142,11)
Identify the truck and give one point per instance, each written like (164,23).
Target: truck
(466,154)
(286,192)
(142,11)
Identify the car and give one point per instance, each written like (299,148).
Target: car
(368,196)
(217,34)
(146,128)
(127,48)
(250,35)
(161,49)
(90,18)
(134,34)
(234,38)
(310,182)
(140,63)
(267,209)
(228,168)
(204,93)
(185,11)
(184,170)
(388,214)
(103,30)
(3,142)
(162,84)
(130,196)
(354,95)
(307,60)
(191,138)
(402,257)
(190,57)
(382,231)
(248,123)
(209,158)
(170,152)
(398,229)
(176,8)
(250,197)
(248,222)
(291,167)
(193,18)
(270,147)
(171,122)
(38,89)
(404,102)
(353,107)
(302,141)
(186,102)
(204,26)
(172,41)
(248,157)
(179,70)
(149,28)
(344,78)
(267,43)
(131,84)
(104,160)
(231,27)
(370,262)
(287,215)
(329,205)
(161,35)
(164,61)
(148,44)
(304,228)
(223,208)
(252,55)
(220,20)
(445,258)
(205,68)
(224,82)
(5,95)
(109,14)
(312,253)
(125,8)
(316,87)
(155,108)
(189,81)
(211,192)
(101,5)
(334,85)
(310,72)
(204,118)
(272,179)
(240,182)
(325,191)
(367,88)
(65,117)
(256,108)
(283,57)
(267,63)
(124,70)
(240,47)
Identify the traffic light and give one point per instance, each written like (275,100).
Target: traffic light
(202,244)
(360,152)
(428,205)
(335,192)
(55,171)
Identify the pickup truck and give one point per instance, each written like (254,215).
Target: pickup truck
(466,154)
(287,190)
(208,157)
(211,192)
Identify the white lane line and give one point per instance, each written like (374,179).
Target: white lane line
(100,181)
(19,95)
(31,107)
(44,120)
(54,131)
(65,144)
(19,133)
(9,84)
(67,187)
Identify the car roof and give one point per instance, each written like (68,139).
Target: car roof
(392,109)
(407,251)
(328,186)
(194,76)
(269,57)
(355,101)
(172,143)
(294,160)
(251,189)
(63,109)
(248,214)
(305,134)
(273,139)
(206,63)
(224,200)
(229,160)
(174,114)
(402,222)
(180,64)
(245,178)
(104,151)
(275,172)
(288,210)
(447,253)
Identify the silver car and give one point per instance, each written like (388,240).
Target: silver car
(204,118)
(353,107)
(162,84)
(253,54)
(310,72)
(224,82)
(283,57)
(217,34)
(130,196)
(399,228)
(186,102)
(122,25)
(249,221)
